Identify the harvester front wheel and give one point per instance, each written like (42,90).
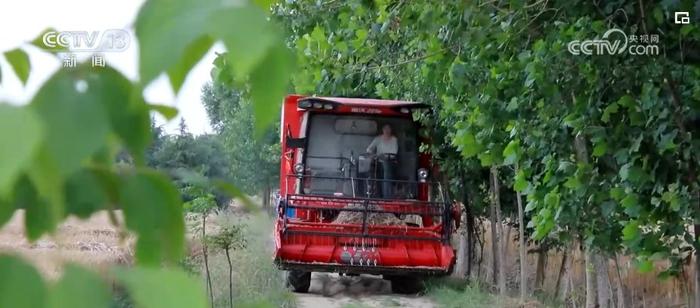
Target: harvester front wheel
(405,284)
(299,281)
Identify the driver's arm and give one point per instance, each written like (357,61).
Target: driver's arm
(373,145)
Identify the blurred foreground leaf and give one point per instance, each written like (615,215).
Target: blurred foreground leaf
(20,131)
(163,288)
(192,54)
(79,288)
(20,284)
(19,60)
(152,207)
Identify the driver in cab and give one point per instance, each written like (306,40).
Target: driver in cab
(385,146)
(385,143)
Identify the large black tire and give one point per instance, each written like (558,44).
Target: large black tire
(299,281)
(405,284)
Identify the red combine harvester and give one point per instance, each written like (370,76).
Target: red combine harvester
(356,194)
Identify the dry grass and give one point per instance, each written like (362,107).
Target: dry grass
(256,280)
(94,243)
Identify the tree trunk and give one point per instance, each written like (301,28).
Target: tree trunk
(494,237)
(696,287)
(481,239)
(620,286)
(696,230)
(230,278)
(462,255)
(499,231)
(463,251)
(471,238)
(541,263)
(205,254)
(266,196)
(592,262)
(591,292)
(602,280)
(563,271)
(523,260)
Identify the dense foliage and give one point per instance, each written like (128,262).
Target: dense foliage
(606,145)
(182,155)
(253,163)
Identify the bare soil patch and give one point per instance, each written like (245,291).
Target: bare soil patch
(93,242)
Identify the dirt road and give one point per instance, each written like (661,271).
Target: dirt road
(333,291)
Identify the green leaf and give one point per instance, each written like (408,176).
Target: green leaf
(573,183)
(38,218)
(600,148)
(167,112)
(610,110)
(39,42)
(511,152)
(552,199)
(486,159)
(20,284)
(466,142)
(631,205)
(79,288)
(630,232)
(361,35)
(131,122)
(617,193)
(153,209)
(43,214)
(671,197)
(644,265)
(70,106)
(625,101)
(264,4)
(7,209)
(458,73)
(19,61)
(192,54)
(84,194)
(268,85)
(607,208)
(21,133)
(233,191)
(185,19)
(163,288)
(248,37)
(520,183)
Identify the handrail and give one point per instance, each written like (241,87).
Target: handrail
(359,178)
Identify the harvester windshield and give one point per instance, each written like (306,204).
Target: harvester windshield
(337,158)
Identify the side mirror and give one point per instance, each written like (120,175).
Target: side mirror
(295,143)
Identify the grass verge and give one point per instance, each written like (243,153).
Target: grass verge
(256,280)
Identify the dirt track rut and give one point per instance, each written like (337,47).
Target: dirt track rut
(333,291)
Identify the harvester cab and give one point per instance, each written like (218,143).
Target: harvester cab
(357,196)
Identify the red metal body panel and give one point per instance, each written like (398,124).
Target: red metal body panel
(308,241)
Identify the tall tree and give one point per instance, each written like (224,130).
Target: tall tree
(254,162)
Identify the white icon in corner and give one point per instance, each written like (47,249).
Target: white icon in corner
(681,18)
